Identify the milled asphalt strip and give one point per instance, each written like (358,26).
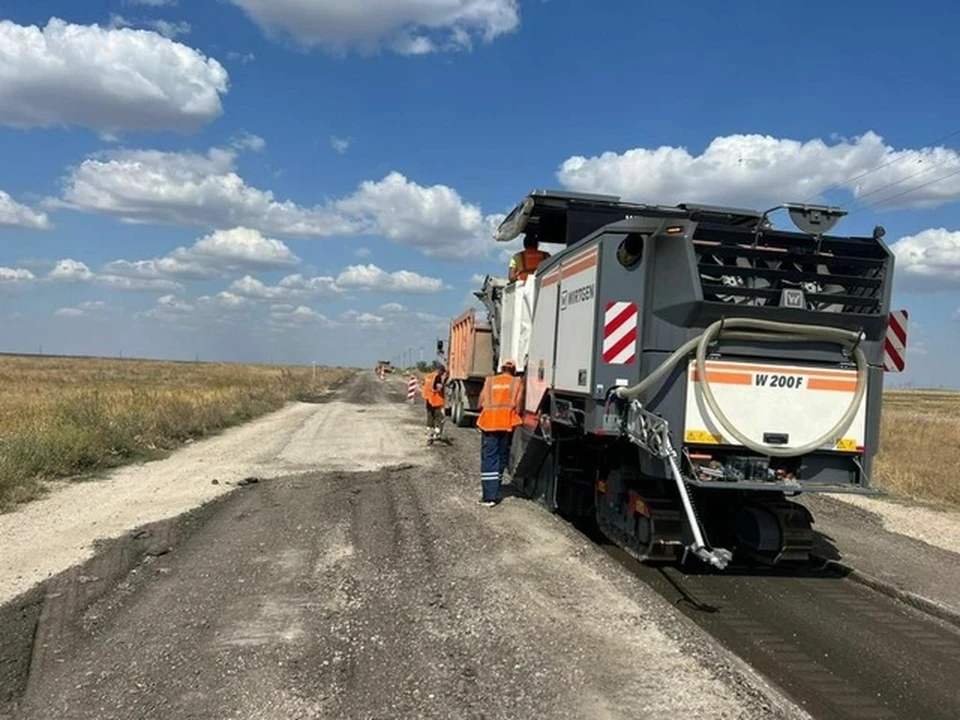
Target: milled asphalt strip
(926,605)
(35,625)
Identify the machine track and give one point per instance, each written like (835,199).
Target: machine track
(837,648)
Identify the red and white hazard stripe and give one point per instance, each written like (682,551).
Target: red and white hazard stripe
(411,388)
(895,344)
(620,333)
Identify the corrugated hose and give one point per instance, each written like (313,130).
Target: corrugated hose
(755,330)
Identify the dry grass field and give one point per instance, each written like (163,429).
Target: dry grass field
(920,446)
(66,417)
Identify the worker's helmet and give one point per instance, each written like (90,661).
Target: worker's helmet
(508,365)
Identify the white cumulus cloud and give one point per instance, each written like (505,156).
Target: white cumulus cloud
(291,287)
(188,189)
(164,27)
(238,249)
(224,300)
(249,141)
(68,312)
(16,277)
(371,277)
(224,308)
(760,170)
(241,248)
(107,79)
(90,308)
(136,284)
(194,190)
(362,318)
(410,27)
(290,317)
(929,261)
(71,271)
(170,29)
(435,219)
(13,214)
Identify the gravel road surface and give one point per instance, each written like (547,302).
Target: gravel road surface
(364,581)
(51,535)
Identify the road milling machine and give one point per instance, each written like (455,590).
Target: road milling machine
(689,369)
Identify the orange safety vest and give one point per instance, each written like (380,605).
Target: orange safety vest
(501,396)
(529,261)
(433,399)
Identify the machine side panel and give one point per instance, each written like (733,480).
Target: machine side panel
(527,292)
(508,325)
(540,366)
(765,400)
(517,320)
(576,323)
(619,333)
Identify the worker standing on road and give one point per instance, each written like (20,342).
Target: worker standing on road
(433,395)
(525,263)
(500,406)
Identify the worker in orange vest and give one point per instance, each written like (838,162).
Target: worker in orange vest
(433,395)
(525,263)
(501,402)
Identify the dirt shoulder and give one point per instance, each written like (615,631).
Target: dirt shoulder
(380,591)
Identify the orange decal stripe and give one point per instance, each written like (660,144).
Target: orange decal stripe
(578,267)
(591,253)
(778,370)
(833,385)
(726,378)
(551,279)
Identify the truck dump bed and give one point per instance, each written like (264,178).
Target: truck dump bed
(470,353)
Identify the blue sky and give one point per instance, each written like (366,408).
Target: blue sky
(299,180)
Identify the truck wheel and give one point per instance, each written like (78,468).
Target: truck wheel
(456,409)
(462,419)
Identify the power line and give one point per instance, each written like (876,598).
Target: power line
(906,192)
(880,167)
(927,169)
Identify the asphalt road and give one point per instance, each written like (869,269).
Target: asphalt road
(382,593)
(837,648)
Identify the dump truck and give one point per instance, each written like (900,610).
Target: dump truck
(688,370)
(470,358)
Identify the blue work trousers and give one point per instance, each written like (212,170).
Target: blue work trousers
(494,457)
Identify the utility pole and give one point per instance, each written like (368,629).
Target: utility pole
(314,372)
